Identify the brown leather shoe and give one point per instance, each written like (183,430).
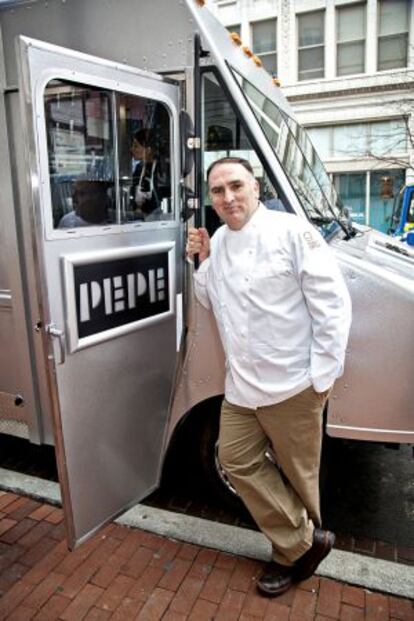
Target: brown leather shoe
(275,580)
(306,565)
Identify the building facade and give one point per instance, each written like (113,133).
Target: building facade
(347,68)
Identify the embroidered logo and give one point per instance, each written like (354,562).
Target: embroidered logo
(312,241)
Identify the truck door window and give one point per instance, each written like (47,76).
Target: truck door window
(225,137)
(109,156)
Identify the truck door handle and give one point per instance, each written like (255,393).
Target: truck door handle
(58,334)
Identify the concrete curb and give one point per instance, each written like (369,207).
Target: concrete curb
(363,571)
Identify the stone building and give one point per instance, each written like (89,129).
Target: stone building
(347,67)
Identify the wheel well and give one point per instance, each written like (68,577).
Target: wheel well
(184,445)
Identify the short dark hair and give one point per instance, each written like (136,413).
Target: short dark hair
(145,137)
(231,160)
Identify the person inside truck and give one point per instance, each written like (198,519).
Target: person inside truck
(149,183)
(283,313)
(90,205)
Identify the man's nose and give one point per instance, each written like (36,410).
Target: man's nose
(228,195)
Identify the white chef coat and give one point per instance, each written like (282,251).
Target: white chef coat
(281,305)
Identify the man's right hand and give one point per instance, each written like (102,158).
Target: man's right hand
(198,242)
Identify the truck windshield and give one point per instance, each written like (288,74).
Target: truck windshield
(298,157)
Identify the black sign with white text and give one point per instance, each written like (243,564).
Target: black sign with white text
(112,293)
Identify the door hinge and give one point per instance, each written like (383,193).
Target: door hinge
(193,203)
(194,143)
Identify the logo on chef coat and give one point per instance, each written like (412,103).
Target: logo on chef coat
(112,293)
(311,240)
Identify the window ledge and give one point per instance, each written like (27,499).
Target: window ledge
(362,82)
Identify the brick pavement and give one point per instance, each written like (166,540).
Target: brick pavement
(124,574)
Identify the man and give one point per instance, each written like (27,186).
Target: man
(90,205)
(283,313)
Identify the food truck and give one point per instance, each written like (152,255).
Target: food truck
(110,113)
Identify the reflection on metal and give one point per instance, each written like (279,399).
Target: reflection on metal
(5,299)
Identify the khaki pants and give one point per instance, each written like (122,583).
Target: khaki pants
(283,499)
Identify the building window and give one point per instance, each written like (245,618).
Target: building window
(351,35)
(393,34)
(351,187)
(377,139)
(311,45)
(374,207)
(264,43)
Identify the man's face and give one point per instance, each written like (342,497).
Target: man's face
(234,193)
(90,201)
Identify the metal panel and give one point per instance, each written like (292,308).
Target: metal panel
(15,354)
(150,35)
(111,396)
(374,398)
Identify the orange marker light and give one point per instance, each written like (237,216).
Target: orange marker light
(247,51)
(276,81)
(257,61)
(200,2)
(235,37)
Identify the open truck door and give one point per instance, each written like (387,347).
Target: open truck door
(107,249)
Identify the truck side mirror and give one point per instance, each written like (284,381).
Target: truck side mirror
(186,134)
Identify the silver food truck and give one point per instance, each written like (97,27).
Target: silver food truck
(110,113)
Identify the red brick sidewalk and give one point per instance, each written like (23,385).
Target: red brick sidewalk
(124,574)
